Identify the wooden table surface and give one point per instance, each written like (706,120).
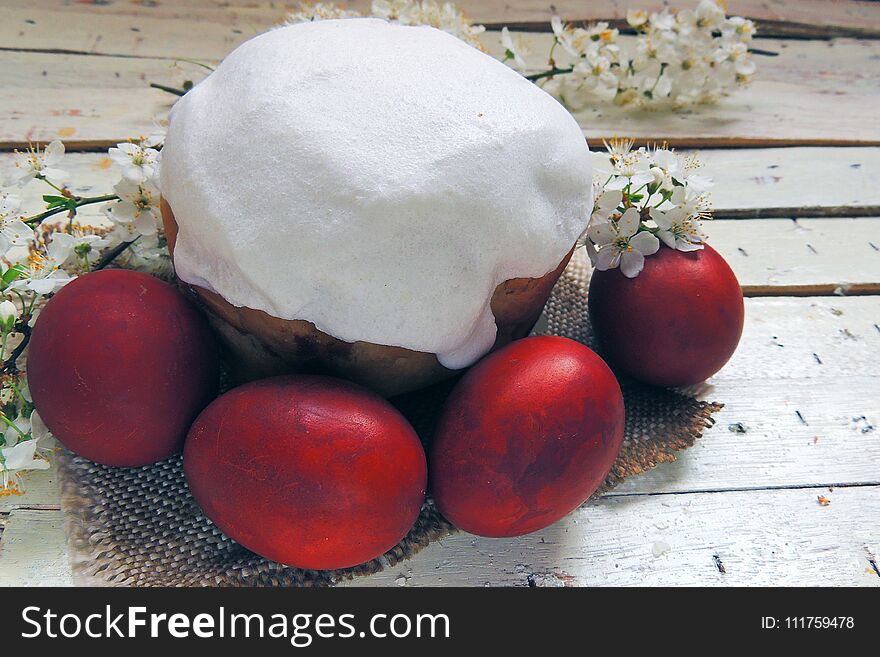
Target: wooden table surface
(796,160)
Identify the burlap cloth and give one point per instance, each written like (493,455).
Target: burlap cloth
(141,527)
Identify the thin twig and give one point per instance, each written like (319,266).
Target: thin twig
(761,51)
(9,367)
(113,253)
(170,90)
(549,74)
(80,202)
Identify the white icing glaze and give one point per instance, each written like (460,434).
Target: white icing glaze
(377,180)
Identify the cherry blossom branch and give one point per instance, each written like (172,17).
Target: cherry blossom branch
(534,77)
(75,203)
(36,264)
(9,364)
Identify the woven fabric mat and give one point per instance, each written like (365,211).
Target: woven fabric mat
(141,527)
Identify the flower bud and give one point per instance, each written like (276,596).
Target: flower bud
(8,315)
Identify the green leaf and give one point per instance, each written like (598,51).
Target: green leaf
(53,201)
(12,274)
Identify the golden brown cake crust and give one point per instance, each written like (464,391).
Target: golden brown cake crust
(259,345)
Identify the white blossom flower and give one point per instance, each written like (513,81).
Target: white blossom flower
(564,36)
(43,272)
(148,254)
(606,203)
(318,12)
(679,59)
(629,222)
(13,433)
(21,456)
(662,21)
(597,75)
(632,170)
(13,231)
(620,243)
(513,48)
(690,203)
(39,430)
(34,162)
(38,308)
(636,17)
(155,139)
(88,247)
(22,447)
(678,231)
(670,168)
(600,32)
(139,162)
(618,148)
(737,27)
(709,14)
(445,16)
(9,205)
(673,63)
(138,205)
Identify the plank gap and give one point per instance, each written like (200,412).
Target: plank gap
(766,29)
(814,290)
(744,489)
(701,143)
(811,212)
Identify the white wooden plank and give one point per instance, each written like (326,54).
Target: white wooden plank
(782,338)
(37,490)
(33,550)
(805,18)
(809,18)
(85,101)
(758,538)
(801,402)
(753,181)
(205,35)
(804,256)
(814,93)
(760,440)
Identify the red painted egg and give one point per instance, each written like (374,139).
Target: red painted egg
(527,435)
(308,471)
(119,365)
(675,324)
